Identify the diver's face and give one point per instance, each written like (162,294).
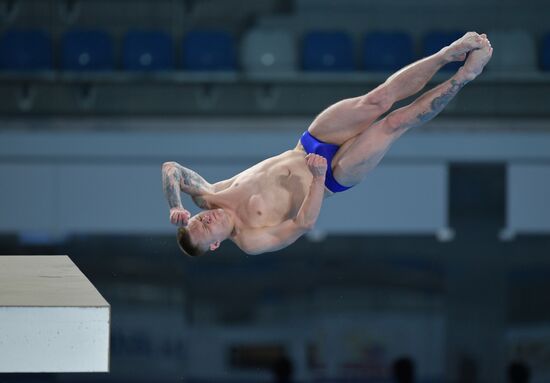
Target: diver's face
(208,228)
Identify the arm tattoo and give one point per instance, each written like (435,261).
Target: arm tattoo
(439,102)
(170,181)
(200,202)
(177,178)
(191,182)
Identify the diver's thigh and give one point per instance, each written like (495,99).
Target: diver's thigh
(344,120)
(359,155)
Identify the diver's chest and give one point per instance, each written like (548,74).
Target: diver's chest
(257,208)
(268,208)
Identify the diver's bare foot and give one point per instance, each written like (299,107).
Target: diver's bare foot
(477,59)
(458,50)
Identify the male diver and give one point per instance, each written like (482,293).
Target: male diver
(270,205)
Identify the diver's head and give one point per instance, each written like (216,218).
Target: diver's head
(205,231)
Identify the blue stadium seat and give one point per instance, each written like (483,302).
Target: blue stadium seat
(148,51)
(387,51)
(545,53)
(87,50)
(435,40)
(209,50)
(327,51)
(25,49)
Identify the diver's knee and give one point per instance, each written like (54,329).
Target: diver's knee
(379,98)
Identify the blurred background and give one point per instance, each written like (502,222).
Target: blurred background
(435,269)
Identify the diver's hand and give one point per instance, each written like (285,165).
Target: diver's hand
(179,216)
(317,165)
(476,61)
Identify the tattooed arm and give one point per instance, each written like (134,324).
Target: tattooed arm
(176,179)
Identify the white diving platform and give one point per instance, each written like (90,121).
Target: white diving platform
(52,319)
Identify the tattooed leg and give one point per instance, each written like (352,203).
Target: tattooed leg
(414,77)
(350,117)
(432,102)
(425,107)
(358,156)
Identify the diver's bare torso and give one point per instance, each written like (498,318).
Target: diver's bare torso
(267,193)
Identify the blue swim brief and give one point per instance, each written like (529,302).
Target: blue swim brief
(313,145)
